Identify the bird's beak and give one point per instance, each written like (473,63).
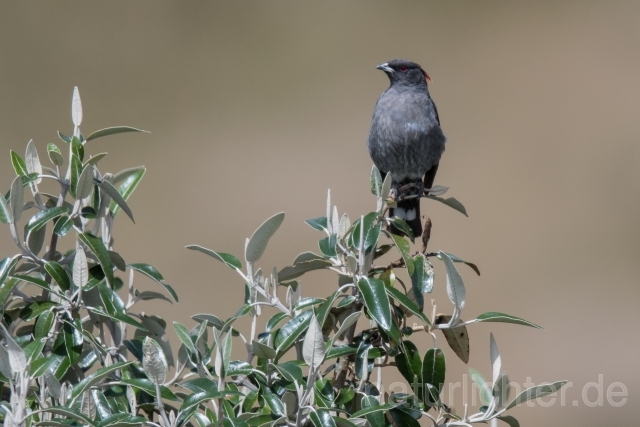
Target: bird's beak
(385,67)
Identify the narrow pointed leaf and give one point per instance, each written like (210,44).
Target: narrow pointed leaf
(386,186)
(496,360)
(493,316)
(228,259)
(100,251)
(481,384)
(19,165)
(127,188)
(76,171)
(93,160)
(112,131)
(452,202)
(5,211)
(407,303)
(258,241)
(17,199)
(535,392)
(409,363)
(346,324)
(152,273)
(456,259)
(80,269)
(185,337)
(455,288)
(117,198)
(92,379)
(376,181)
(149,387)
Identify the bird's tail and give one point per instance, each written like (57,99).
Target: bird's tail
(409,211)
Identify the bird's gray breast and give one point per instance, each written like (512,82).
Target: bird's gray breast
(405,137)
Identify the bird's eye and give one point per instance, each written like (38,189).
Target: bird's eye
(403,69)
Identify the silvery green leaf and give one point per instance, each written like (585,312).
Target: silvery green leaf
(218,365)
(329,228)
(115,195)
(501,390)
(496,363)
(258,241)
(452,202)
(33,161)
(5,366)
(85,183)
(154,362)
(93,160)
(54,154)
(76,107)
(481,384)
(438,190)
(150,295)
(17,358)
(456,259)
(455,288)
(535,392)
(345,223)
(386,187)
(225,352)
(113,131)
(262,351)
(352,264)
(87,405)
(17,199)
(493,316)
(335,220)
(5,211)
(131,397)
(346,324)
(80,268)
(313,346)
(376,181)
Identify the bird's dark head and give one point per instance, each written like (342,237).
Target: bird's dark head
(401,71)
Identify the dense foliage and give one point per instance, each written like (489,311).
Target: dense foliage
(75,351)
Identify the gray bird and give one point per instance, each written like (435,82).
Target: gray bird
(405,138)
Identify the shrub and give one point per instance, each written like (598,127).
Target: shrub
(75,351)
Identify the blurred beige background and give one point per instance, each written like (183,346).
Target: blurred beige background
(258,107)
